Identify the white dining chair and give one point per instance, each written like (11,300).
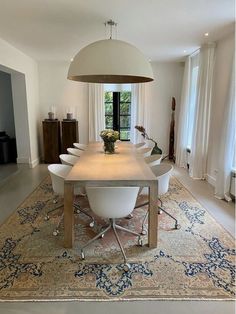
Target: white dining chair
(162,173)
(153,160)
(74,151)
(67,159)
(58,173)
(112,203)
(139,145)
(145,152)
(80,146)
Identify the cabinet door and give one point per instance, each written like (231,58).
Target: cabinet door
(51,139)
(70,134)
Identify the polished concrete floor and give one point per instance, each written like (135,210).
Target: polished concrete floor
(22,181)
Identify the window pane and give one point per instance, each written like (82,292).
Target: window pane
(125,108)
(125,97)
(125,121)
(108,108)
(108,96)
(109,122)
(125,135)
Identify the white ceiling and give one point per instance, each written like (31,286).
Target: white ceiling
(161,29)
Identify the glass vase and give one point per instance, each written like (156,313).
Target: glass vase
(109,147)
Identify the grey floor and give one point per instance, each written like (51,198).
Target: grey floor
(18,182)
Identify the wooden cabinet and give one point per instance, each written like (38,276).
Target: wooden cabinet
(69,134)
(51,141)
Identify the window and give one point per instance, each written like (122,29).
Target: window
(118,112)
(192,99)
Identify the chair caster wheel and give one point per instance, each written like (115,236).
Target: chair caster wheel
(140,242)
(160,212)
(130,216)
(102,236)
(177,226)
(144,232)
(46,218)
(55,232)
(77,211)
(82,255)
(54,201)
(91,225)
(127,267)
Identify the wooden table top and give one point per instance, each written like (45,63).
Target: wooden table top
(125,166)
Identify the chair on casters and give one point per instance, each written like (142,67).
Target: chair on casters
(162,173)
(74,151)
(80,146)
(58,174)
(67,159)
(112,203)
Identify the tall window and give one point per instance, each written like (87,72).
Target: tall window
(192,100)
(118,112)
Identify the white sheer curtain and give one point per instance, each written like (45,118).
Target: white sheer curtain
(96,111)
(182,134)
(227,144)
(139,113)
(198,157)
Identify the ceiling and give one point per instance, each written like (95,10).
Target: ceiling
(163,30)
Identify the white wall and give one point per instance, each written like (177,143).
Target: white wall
(167,84)
(223,66)
(56,90)
(24,72)
(7,123)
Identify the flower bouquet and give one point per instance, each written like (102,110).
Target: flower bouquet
(156,149)
(109,137)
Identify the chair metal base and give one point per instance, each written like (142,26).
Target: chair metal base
(112,225)
(78,210)
(160,210)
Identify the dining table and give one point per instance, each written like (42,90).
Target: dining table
(126,167)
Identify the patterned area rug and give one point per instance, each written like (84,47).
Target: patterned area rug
(195,262)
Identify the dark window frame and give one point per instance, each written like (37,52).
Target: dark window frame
(116,101)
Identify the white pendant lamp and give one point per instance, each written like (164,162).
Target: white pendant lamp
(110,61)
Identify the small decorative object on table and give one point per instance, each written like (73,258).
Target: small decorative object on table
(156,149)
(109,137)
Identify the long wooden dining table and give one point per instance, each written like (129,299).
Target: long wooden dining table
(124,168)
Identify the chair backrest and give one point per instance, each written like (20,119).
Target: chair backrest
(162,173)
(139,145)
(74,151)
(58,174)
(153,160)
(112,202)
(145,151)
(80,146)
(67,159)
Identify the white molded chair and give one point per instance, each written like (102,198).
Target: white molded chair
(74,151)
(153,160)
(67,159)
(146,151)
(139,145)
(112,203)
(58,174)
(162,173)
(80,146)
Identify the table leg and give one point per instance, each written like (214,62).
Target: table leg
(153,216)
(68,215)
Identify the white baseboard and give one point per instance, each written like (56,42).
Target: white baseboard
(22,160)
(211,180)
(25,160)
(34,163)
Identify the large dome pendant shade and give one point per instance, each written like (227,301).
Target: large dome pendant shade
(110,61)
